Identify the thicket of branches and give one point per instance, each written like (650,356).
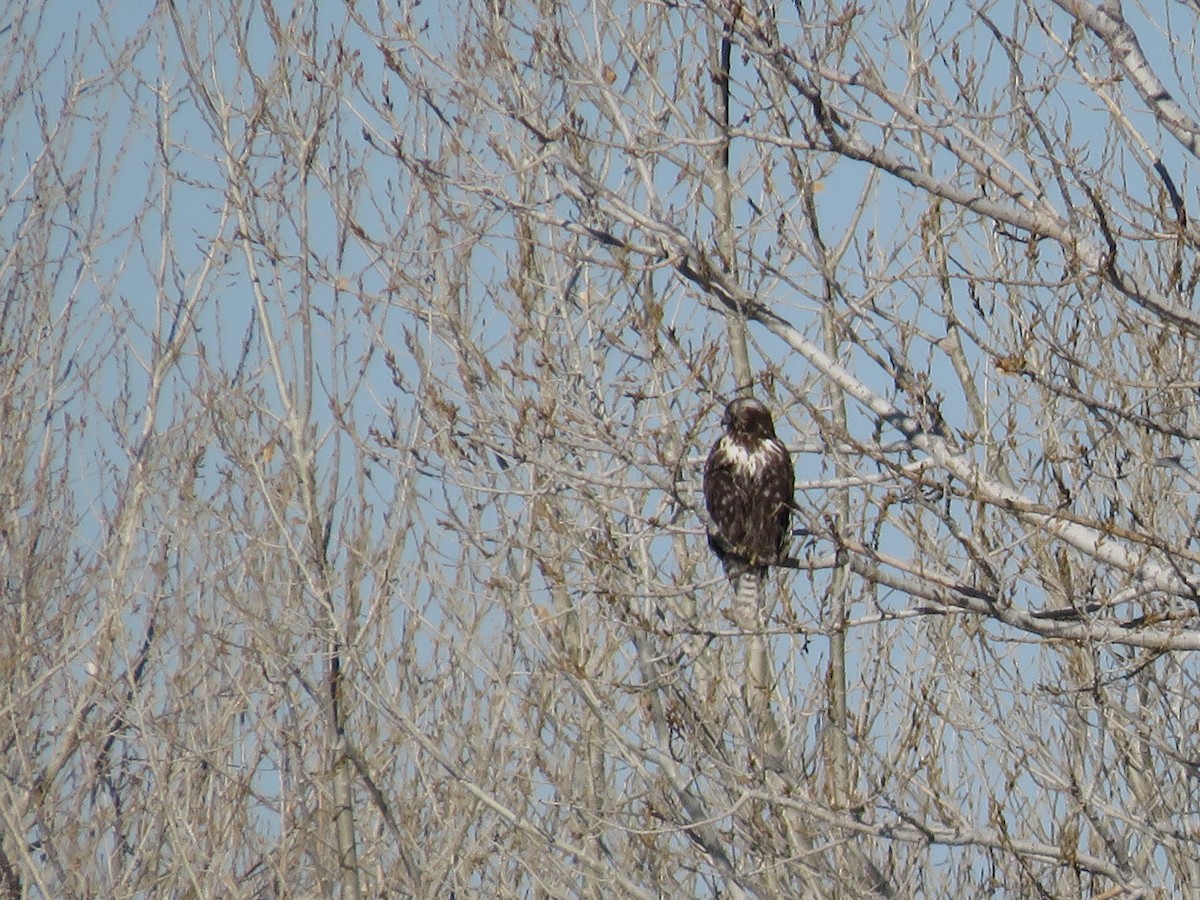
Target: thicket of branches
(356,370)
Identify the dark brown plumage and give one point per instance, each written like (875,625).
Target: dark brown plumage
(748,489)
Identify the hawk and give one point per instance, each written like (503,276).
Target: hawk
(749,487)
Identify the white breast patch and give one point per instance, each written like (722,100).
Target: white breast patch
(754,460)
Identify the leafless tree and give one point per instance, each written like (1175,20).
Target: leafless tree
(357,365)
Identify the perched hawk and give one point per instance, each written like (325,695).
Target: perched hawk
(748,489)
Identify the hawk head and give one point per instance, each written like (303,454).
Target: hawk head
(747,418)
